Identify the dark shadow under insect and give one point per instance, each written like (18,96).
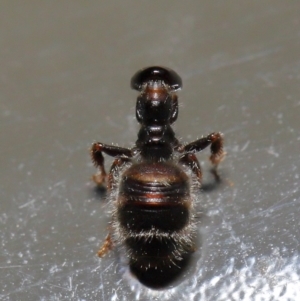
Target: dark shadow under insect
(154,185)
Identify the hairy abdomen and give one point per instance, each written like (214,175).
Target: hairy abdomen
(154,216)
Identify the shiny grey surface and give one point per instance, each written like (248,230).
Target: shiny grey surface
(65,69)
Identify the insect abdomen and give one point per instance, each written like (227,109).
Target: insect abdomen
(154,197)
(154,214)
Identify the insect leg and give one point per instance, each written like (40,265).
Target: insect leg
(106,247)
(114,171)
(215,140)
(192,162)
(112,176)
(97,157)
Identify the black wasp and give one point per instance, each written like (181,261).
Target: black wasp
(153,185)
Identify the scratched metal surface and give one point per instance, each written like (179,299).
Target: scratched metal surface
(65,69)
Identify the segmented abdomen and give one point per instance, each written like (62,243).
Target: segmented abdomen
(154,197)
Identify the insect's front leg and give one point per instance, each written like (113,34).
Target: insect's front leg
(215,140)
(97,157)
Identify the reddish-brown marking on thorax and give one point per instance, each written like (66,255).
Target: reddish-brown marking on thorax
(156,92)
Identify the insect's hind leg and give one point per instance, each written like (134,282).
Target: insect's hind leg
(112,176)
(106,246)
(192,162)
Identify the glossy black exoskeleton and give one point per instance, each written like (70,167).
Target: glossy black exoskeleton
(153,186)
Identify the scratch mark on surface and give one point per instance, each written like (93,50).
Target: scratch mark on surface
(58,286)
(240,60)
(27,204)
(102,272)
(12,267)
(60,183)
(246,58)
(102,291)
(69,206)
(281,204)
(272,151)
(245,146)
(70,283)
